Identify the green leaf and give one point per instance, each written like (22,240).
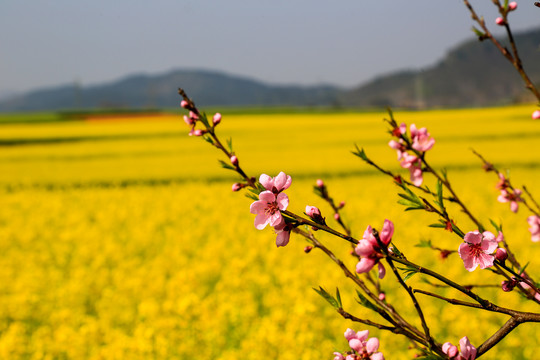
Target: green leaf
(251,196)
(204,120)
(208,139)
(360,153)
(225,165)
(229,144)
(425,243)
(362,300)
(327,297)
(440,195)
(338,297)
(408,272)
(478,33)
(442,226)
(495,225)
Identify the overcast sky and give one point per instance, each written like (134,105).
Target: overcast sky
(342,42)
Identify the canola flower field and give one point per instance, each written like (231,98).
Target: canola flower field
(122,239)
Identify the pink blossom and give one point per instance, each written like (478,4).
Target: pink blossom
(399,146)
(536,115)
(466,351)
(364,346)
(477,249)
(189,121)
(499,21)
(184,104)
(399,130)
(512,6)
(414,164)
(216,119)
(320,183)
(421,139)
(500,237)
(312,211)
(276,184)
(534,227)
(234,160)
(338,356)
(369,250)
(513,197)
(236,186)
(267,209)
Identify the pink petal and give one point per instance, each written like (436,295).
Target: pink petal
(489,244)
(356,345)
(416,176)
(514,206)
(267,196)
(283,201)
(414,130)
(364,248)
(257,207)
(465,255)
(266,181)
(364,265)
(282,238)
(362,335)
(261,221)
(485,260)
(467,350)
(473,237)
(372,345)
(275,219)
(280,180)
(377,356)
(349,334)
(387,232)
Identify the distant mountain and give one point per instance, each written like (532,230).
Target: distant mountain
(159,91)
(472,74)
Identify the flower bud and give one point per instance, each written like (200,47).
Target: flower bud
(198,132)
(307,249)
(501,254)
(512,6)
(382,296)
(509,285)
(336,216)
(499,21)
(236,186)
(184,104)
(536,115)
(189,120)
(320,183)
(312,211)
(193,115)
(342,204)
(217,118)
(234,160)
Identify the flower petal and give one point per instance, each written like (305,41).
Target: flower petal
(364,265)
(364,248)
(473,237)
(267,196)
(372,345)
(261,221)
(257,207)
(266,181)
(387,232)
(282,238)
(382,271)
(485,260)
(283,201)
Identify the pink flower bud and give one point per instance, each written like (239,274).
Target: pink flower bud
(336,216)
(499,21)
(320,183)
(501,254)
(189,120)
(307,249)
(512,6)
(508,285)
(193,115)
(536,115)
(234,160)
(236,187)
(312,211)
(198,132)
(184,104)
(382,296)
(341,204)
(217,118)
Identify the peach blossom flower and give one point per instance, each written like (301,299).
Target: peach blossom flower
(267,209)
(364,346)
(275,184)
(466,351)
(421,139)
(369,250)
(414,164)
(477,249)
(513,197)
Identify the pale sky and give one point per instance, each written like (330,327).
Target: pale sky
(343,42)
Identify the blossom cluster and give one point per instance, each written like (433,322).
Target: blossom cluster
(420,142)
(369,249)
(362,347)
(466,351)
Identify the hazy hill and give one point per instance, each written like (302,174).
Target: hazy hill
(472,74)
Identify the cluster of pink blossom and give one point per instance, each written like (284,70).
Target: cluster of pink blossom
(369,250)
(421,142)
(270,204)
(192,118)
(466,350)
(362,346)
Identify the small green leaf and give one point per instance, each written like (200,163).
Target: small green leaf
(425,243)
(338,297)
(408,272)
(229,144)
(204,120)
(442,226)
(327,297)
(440,195)
(251,196)
(360,153)
(362,300)
(226,166)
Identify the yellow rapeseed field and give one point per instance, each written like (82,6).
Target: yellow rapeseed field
(123,240)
